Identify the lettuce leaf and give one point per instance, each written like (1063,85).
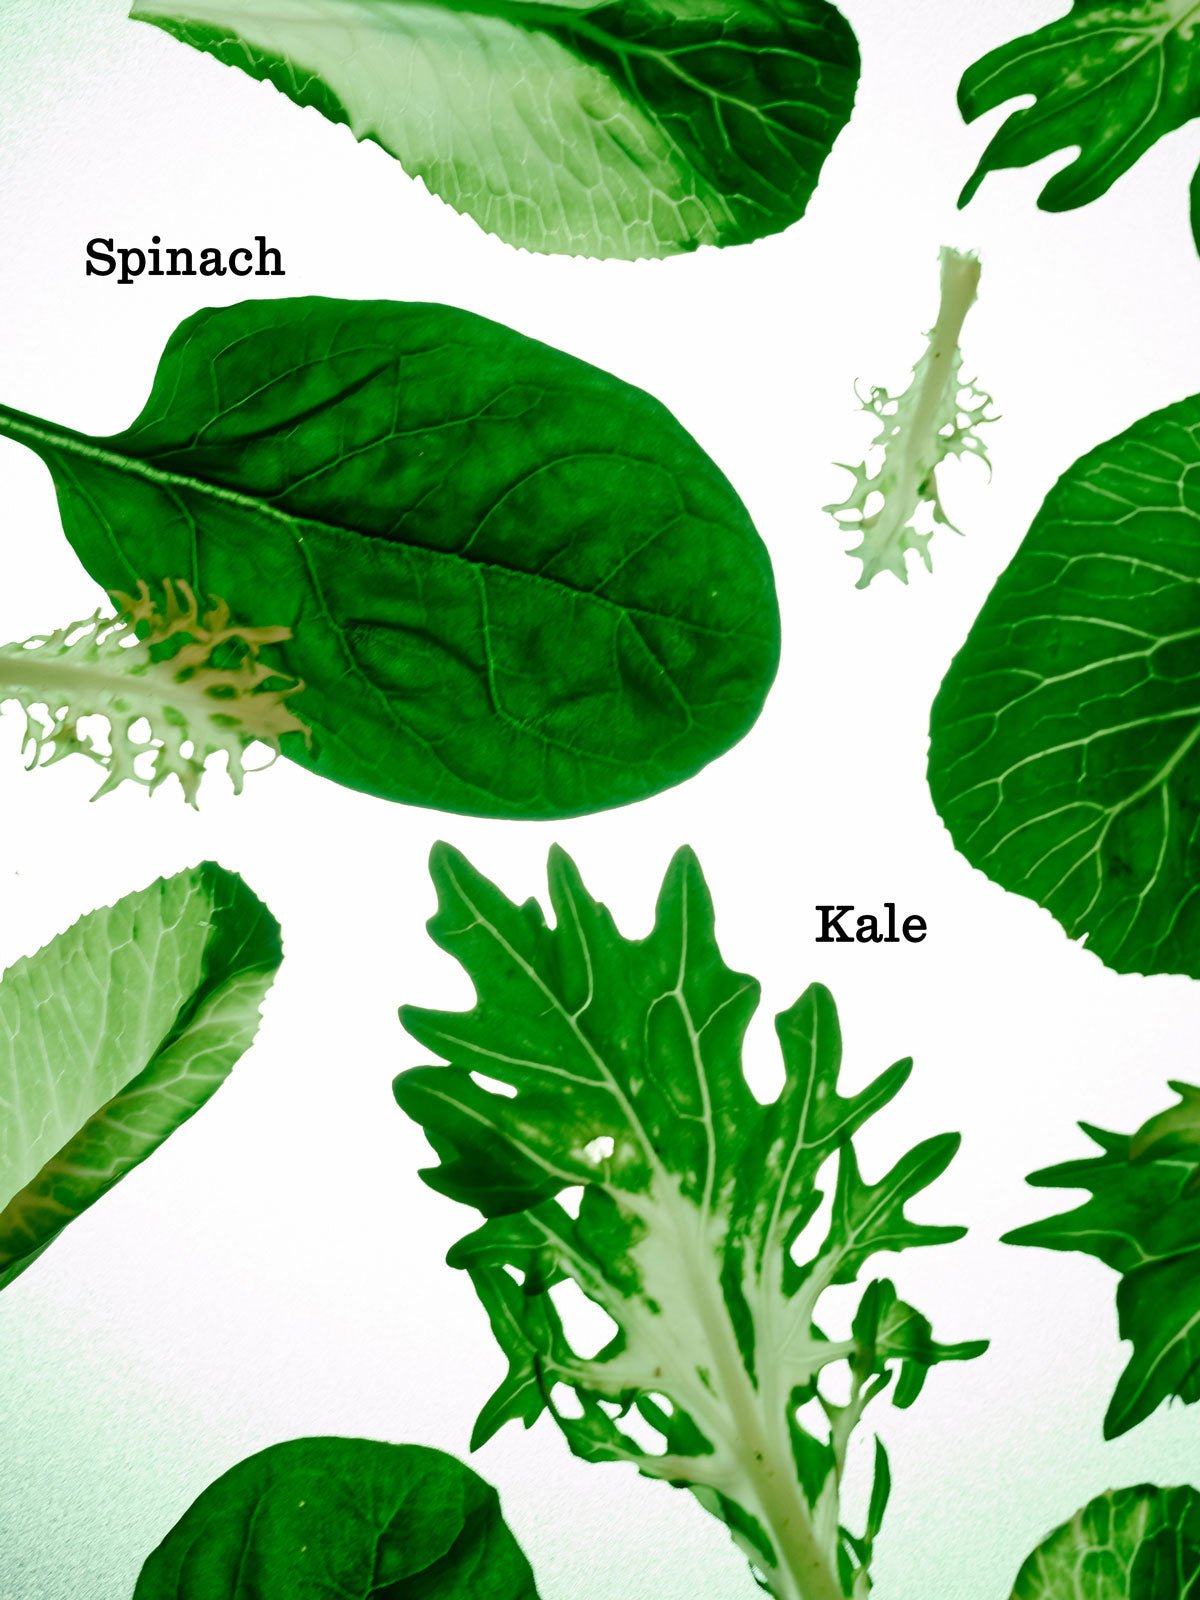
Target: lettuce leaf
(628,128)
(113,1035)
(311,1519)
(599,1064)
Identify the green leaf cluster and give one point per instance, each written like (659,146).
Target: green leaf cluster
(610,1068)
(622,129)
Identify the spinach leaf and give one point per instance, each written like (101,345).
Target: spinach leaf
(628,128)
(515,585)
(622,1065)
(1129,1544)
(1063,742)
(312,1519)
(113,1035)
(1108,80)
(1143,1221)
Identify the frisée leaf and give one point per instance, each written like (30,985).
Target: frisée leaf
(113,1035)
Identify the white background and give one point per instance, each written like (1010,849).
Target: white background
(277,1269)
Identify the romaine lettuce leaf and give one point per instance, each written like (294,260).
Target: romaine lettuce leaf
(113,1035)
(628,128)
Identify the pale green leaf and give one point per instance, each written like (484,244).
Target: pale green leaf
(113,1035)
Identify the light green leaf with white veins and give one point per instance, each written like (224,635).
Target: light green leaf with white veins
(113,1035)
(628,128)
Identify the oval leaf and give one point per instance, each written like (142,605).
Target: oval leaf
(1129,1544)
(113,1035)
(315,1519)
(516,586)
(633,128)
(1065,739)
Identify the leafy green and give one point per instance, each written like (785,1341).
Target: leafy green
(315,1519)
(627,128)
(184,670)
(1108,80)
(933,421)
(1063,742)
(113,1035)
(1143,1221)
(1129,1544)
(515,585)
(622,1065)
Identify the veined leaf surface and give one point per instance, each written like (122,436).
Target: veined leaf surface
(623,1059)
(315,1519)
(515,585)
(632,128)
(1129,1544)
(1109,79)
(1143,1221)
(113,1035)
(1065,740)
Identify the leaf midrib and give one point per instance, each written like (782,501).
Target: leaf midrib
(22,428)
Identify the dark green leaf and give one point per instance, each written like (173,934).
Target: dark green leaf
(631,128)
(113,1035)
(1129,1544)
(1064,754)
(1108,81)
(624,1062)
(328,1519)
(1142,1220)
(516,586)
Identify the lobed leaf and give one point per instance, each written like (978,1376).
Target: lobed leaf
(611,1066)
(628,128)
(1108,80)
(1064,755)
(315,1519)
(515,586)
(113,1035)
(1143,1220)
